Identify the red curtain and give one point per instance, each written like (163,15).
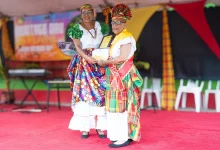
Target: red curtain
(194,14)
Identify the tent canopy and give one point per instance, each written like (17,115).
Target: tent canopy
(35,7)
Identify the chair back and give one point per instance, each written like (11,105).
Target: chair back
(156,83)
(218,85)
(145,82)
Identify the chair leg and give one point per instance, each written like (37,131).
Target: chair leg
(197,97)
(58,95)
(142,99)
(217,101)
(48,98)
(184,98)
(178,97)
(157,94)
(206,101)
(149,99)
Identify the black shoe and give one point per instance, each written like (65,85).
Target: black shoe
(102,136)
(130,140)
(85,136)
(119,145)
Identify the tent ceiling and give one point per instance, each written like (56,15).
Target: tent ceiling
(35,7)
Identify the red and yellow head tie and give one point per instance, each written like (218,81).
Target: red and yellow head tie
(121,11)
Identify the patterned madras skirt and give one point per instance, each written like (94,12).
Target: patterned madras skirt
(123,107)
(88,90)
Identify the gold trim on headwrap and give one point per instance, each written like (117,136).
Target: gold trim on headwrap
(121,11)
(86,6)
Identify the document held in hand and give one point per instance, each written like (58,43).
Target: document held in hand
(102,53)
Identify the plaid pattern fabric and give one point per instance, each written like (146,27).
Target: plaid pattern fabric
(126,100)
(168,92)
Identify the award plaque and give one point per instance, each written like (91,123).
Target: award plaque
(106,41)
(103,51)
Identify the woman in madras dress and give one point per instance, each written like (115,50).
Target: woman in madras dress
(123,83)
(87,78)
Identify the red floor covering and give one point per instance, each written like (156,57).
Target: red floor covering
(160,131)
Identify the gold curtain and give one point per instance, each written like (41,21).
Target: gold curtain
(6,44)
(140,17)
(168,91)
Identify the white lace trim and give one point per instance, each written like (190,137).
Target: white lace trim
(84,117)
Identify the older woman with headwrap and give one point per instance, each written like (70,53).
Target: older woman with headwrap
(87,78)
(123,83)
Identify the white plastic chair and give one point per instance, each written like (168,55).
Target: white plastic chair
(216,92)
(191,87)
(154,88)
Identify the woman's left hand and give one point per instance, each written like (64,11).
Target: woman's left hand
(101,62)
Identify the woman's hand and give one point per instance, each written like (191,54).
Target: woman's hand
(102,63)
(91,60)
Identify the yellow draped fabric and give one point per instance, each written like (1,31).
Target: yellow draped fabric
(168,92)
(6,44)
(140,17)
(0,23)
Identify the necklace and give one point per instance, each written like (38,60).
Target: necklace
(93,36)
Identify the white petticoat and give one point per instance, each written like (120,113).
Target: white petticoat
(117,126)
(87,116)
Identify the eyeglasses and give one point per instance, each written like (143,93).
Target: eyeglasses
(118,22)
(89,13)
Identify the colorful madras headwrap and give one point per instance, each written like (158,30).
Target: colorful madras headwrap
(121,11)
(86,6)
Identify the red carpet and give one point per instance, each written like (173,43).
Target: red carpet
(160,131)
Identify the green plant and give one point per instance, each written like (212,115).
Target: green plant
(9,96)
(140,64)
(2,71)
(4,75)
(31,66)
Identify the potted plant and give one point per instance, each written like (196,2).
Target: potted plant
(140,64)
(7,96)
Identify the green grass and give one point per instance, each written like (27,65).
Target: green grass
(16,84)
(177,83)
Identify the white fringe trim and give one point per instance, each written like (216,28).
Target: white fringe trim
(84,117)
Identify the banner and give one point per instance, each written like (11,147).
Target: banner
(194,14)
(36,37)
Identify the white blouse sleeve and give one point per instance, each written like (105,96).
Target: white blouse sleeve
(116,48)
(130,40)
